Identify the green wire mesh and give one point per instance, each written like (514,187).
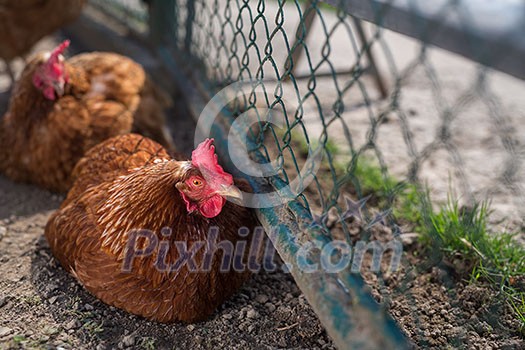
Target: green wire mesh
(320,81)
(381,106)
(131,13)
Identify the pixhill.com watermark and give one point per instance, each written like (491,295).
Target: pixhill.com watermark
(251,252)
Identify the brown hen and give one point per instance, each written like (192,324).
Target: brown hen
(129,185)
(60,109)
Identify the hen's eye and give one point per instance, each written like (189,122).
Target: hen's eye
(197,182)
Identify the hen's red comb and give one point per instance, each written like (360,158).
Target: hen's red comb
(59,50)
(204,158)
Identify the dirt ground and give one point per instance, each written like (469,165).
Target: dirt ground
(437,308)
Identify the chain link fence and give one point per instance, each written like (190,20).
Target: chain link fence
(439,107)
(131,13)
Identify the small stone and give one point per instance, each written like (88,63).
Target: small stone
(251,313)
(4,331)
(16,278)
(261,298)
(227,316)
(52,300)
(198,340)
(3,231)
(100,347)
(52,287)
(128,340)
(51,330)
(270,307)
(88,307)
(408,238)
(190,328)
(3,301)
(71,324)
(243,296)
(483,328)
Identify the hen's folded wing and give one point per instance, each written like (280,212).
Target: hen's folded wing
(112,76)
(113,158)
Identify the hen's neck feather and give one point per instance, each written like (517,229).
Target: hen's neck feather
(147,199)
(29,104)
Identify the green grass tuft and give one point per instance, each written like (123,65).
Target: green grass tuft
(147,343)
(461,234)
(18,339)
(299,141)
(493,258)
(498,257)
(372,180)
(404,198)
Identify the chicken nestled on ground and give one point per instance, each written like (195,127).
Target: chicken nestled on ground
(132,217)
(61,108)
(24,22)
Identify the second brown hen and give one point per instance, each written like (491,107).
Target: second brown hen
(129,185)
(61,108)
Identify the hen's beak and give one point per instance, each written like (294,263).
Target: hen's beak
(59,88)
(231,192)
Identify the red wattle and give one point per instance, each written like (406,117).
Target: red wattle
(212,207)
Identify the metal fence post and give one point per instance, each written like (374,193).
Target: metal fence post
(378,78)
(162,22)
(190,6)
